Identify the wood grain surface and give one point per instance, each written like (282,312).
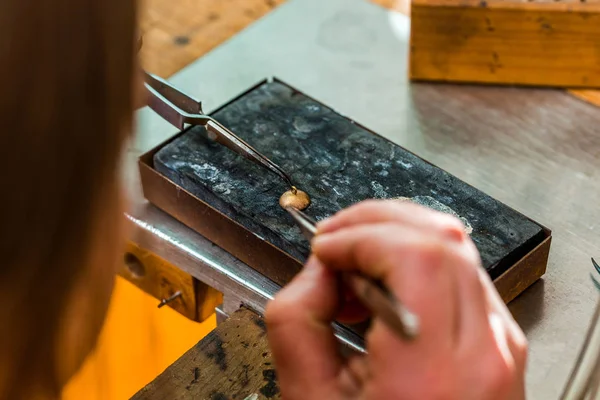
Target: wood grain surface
(505,43)
(161,279)
(231,362)
(403,6)
(177,32)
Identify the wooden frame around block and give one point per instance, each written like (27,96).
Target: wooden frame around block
(268,259)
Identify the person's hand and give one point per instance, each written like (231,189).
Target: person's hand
(469,347)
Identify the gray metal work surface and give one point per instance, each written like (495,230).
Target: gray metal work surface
(535,150)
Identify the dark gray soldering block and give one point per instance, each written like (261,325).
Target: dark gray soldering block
(338,163)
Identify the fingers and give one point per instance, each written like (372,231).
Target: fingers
(499,346)
(428,262)
(353,311)
(515,338)
(354,377)
(413,266)
(300,334)
(472,318)
(406,213)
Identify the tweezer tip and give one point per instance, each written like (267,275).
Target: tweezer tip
(596,283)
(596,265)
(295,213)
(291,210)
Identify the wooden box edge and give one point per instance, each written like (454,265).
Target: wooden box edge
(524,272)
(215,226)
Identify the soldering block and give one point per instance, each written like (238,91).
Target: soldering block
(539,42)
(338,162)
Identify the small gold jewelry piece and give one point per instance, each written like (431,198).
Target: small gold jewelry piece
(294,198)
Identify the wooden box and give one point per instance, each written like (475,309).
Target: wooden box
(539,43)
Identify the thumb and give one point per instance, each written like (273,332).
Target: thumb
(300,334)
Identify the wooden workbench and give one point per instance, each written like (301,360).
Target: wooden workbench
(535,150)
(232,362)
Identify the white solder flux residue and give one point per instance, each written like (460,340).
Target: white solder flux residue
(205,170)
(379,190)
(405,164)
(222,188)
(430,202)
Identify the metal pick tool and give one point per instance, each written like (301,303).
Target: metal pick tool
(179,109)
(380,302)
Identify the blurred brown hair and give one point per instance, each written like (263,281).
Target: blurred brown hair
(66,74)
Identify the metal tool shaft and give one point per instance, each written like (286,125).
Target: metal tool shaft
(391,311)
(381,303)
(232,142)
(179,109)
(584,380)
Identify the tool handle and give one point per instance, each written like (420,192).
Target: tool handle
(391,311)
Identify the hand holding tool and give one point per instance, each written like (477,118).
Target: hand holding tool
(381,303)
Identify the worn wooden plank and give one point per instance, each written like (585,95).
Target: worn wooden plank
(589,95)
(161,279)
(177,32)
(526,43)
(232,362)
(403,6)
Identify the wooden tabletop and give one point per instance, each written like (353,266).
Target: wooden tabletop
(232,362)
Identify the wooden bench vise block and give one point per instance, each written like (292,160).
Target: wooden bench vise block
(540,42)
(163,280)
(232,362)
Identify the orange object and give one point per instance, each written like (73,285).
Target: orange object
(137,343)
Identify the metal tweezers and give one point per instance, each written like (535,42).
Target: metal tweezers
(379,301)
(584,381)
(179,109)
